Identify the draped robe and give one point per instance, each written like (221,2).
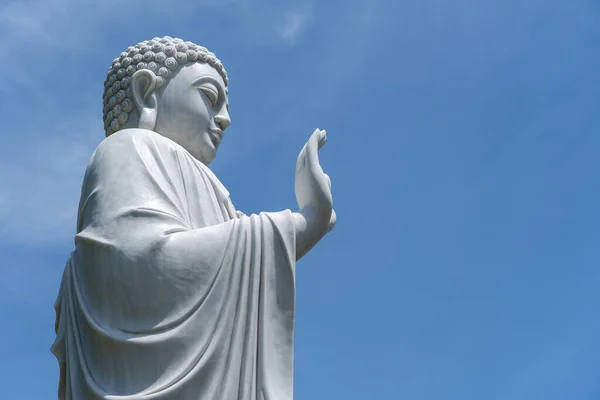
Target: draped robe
(170,294)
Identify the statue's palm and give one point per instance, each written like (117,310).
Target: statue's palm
(313,186)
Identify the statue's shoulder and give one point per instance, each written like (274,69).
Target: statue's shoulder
(125,147)
(128,142)
(127,138)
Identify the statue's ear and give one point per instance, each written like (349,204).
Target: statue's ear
(143,84)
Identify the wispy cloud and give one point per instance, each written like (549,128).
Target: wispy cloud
(48,153)
(27,22)
(39,33)
(41,181)
(292,25)
(50,25)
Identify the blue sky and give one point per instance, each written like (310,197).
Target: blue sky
(463,148)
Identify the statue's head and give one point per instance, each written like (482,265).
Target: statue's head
(175,88)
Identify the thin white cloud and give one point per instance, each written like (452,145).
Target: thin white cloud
(292,25)
(49,25)
(41,182)
(48,29)
(27,22)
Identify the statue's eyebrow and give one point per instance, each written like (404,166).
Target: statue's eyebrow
(212,80)
(223,92)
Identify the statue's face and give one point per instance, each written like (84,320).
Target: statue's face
(193,110)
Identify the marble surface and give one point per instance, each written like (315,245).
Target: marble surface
(172,293)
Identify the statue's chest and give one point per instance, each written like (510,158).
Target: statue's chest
(206,206)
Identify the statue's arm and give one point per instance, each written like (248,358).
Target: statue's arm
(133,155)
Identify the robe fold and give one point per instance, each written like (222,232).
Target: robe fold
(170,294)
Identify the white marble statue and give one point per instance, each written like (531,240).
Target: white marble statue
(170,293)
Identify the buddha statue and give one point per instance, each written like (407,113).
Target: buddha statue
(170,292)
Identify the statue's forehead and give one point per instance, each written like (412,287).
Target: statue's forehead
(193,72)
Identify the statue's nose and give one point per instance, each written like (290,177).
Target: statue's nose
(222,119)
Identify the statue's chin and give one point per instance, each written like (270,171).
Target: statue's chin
(202,147)
(208,148)
(206,154)
(205,162)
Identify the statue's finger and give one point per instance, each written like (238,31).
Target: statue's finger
(315,138)
(322,138)
(301,162)
(312,146)
(332,221)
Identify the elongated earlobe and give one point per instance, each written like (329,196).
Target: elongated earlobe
(143,84)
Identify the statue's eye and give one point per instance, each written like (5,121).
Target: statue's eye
(211,93)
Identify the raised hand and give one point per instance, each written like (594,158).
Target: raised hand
(313,194)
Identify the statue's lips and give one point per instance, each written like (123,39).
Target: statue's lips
(217,134)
